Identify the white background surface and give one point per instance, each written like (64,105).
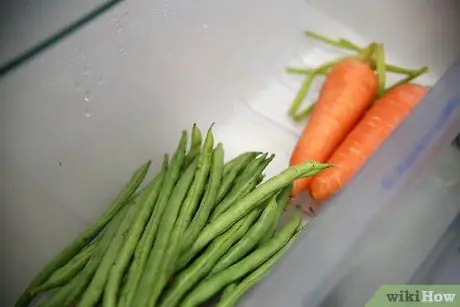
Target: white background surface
(78,119)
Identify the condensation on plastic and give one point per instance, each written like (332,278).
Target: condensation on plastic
(80,117)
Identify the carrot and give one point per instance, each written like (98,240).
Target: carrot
(375,127)
(347,92)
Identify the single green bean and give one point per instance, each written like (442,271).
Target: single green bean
(86,237)
(57,299)
(142,252)
(251,239)
(150,286)
(209,199)
(95,288)
(147,202)
(191,202)
(233,292)
(80,284)
(282,200)
(195,147)
(65,273)
(236,165)
(215,282)
(201,266)
(247,203)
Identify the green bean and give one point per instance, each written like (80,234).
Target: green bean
(150,286)
(65,273)
(84,238)
(57,299)
(253,167)
(282,199)
(147,202)
(209,199)
(233,168)
(234,292)
(247,203)
(213,284)
(191,202)
(245,183)
(96,287)
(201,266)
(235,162)
(195,147)
(188,254)
(79,285)
(251,239)
(144,247)
(228,291)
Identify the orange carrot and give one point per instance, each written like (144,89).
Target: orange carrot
(375,127)
(347,92)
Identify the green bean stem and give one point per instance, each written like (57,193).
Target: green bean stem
(195,147)
(247,203)
(150,285)
(233,293)
(142,252)
(84,238)
(147,202)
(215,282)
(201,266)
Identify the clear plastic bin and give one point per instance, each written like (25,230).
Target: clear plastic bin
(78,118)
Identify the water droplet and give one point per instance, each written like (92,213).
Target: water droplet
(87,96)
(88,113)
(86,71)
(77,86)
(123,51)
(101,80)
(205,26)
(71,65)
(81,54)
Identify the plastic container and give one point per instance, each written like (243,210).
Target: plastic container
(79,117)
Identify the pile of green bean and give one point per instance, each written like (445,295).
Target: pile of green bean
(199,228)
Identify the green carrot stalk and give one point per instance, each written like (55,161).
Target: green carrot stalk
(409,78)
(348,45)
(380,65)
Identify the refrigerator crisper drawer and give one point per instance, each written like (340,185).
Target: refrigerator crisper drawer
(78,118)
